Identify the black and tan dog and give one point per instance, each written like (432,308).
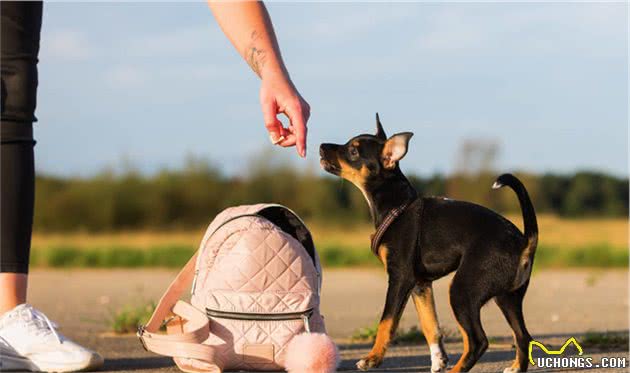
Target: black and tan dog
(432,237)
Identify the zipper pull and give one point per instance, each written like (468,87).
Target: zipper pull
(192,289)
(307,327)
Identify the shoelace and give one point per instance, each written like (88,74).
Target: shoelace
(40,321)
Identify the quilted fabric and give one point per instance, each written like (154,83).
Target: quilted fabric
(249,265)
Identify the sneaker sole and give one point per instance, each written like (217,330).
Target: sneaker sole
(95,362)
(16,364)
(21,364)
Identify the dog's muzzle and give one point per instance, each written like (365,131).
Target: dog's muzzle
(328,158)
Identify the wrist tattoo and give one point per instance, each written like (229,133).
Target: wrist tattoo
(254,56)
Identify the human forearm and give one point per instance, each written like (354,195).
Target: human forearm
(248,26)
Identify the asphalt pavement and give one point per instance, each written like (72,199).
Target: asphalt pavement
(559,304)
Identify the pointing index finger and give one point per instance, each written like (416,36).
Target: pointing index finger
(298,122)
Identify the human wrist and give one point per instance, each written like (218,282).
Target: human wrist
(274,71)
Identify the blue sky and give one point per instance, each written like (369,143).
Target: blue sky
(152,84)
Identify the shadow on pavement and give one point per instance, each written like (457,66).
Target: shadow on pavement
(501,339)
(399,359)
(422,363)
(137,363)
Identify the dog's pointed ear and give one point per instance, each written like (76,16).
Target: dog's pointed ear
(395,149)
(380,132)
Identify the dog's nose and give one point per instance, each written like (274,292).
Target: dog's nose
(321,150)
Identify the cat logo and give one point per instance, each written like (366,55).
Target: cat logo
(554,352)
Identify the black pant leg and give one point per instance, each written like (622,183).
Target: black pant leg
(21,26)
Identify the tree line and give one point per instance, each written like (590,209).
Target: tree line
(191,196)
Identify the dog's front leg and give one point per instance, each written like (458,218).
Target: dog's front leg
(424,301)
(398,292)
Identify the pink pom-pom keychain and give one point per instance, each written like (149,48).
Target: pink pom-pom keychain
(311,353)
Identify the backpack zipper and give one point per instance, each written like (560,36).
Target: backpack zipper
(304,316)
(194,282)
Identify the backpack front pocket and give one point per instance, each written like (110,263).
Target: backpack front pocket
(257,336)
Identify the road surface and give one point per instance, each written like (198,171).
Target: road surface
(559,304)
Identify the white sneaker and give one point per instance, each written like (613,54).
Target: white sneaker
(29,341)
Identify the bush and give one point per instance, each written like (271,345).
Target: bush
(188,198)
(129,318)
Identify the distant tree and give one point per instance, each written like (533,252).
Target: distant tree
(432,186)
(191,196)
(553,189)
(475,172)
(596,194)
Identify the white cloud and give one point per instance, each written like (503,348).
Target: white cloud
(347,22)
(125,76)
(66,45)
(536,27)
(355,24)
(450,35)
(142,75)
(180,42)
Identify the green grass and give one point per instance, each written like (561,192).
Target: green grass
(129,318)
(114,257)
(340,256)
(605,340)
(403,337)
(493,339)
(366,334)
(594,256)
(410,336)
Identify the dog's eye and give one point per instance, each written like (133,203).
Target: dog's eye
(354,153)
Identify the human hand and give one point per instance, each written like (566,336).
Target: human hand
(278,95)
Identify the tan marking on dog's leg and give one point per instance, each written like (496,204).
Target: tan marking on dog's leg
(377,354)
(427,316)
(383,252)
(383,337)
(520,355)
(458,367)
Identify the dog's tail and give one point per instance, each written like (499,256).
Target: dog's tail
(529,215)
(530,223)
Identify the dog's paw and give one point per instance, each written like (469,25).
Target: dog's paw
(439,359)
(511,370)
(438,365)
(369,362)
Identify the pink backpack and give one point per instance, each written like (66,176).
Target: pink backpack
(256,282)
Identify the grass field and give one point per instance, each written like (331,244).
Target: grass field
(563,243)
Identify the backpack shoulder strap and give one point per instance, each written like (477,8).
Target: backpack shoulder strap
(186,344)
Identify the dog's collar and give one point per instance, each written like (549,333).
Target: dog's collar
(382,228)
